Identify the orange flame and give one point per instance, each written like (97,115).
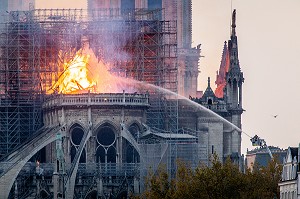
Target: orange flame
(76,76)
(84,73)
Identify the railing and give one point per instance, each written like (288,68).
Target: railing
(123,99)
(109,169)
(216,107)
(85,168)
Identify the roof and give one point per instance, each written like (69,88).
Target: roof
(170,135)
(273,149)
(208,93)
(294,151)
(261,155)
(175,135)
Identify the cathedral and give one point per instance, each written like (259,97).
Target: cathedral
(226,101)
(101,144)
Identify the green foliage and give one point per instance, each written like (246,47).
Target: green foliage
(220,180)
(158,185)
(262,182)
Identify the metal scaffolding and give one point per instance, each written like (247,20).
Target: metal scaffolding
(136,44)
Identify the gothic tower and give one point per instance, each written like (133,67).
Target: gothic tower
(234,79)
(221,74)
(226,102)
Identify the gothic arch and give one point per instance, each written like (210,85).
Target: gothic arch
(132,156)
(111,131)
(229,81)
(76,122)
(71,130)
(110,123)
(106,139)
(91,194)
(75,140)
(136,124)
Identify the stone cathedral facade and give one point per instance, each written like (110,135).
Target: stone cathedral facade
(99,145)
(226,101)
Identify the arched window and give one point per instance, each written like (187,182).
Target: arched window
(76,134)
(134,130)
(106,144)
(132,156)
(209,101)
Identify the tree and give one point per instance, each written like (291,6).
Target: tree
(220,180)
(158,185)
(262,182)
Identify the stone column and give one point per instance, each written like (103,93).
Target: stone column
(236,140)
(203,136)
(16,189)
(100,187)
(136,185)
(63,117)
(240,95)
(55,184)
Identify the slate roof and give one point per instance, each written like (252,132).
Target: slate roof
(170,135)
(294,152)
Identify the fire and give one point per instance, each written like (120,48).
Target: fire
(81,74)
(84,73)
(76,76)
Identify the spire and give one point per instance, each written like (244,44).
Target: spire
(208,92)
(221,74)
(224,61)
(233,46)
(234,76)
(233,25)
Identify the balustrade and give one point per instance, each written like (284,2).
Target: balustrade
(124,99)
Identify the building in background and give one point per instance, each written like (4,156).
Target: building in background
(290,179)
(260,156)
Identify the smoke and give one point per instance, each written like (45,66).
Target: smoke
(107,46)
(107,40)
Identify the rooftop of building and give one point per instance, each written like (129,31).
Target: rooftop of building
(261,150)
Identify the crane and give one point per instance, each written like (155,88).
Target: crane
(257,141)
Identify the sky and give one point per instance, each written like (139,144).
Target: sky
(269,53)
